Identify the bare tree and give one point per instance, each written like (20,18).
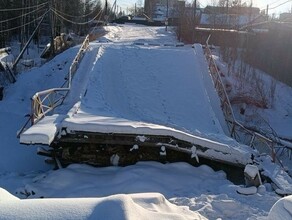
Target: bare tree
(186,22)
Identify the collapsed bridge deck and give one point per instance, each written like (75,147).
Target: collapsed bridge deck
(153,91)
(137,96)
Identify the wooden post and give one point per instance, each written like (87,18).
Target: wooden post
(273,153)
(28,42)
(52,27)
(195,22)
(267,11)
(1,92)
(166,20)
(32,112)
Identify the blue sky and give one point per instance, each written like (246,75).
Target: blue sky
(262,4)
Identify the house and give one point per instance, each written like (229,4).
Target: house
(229,18)
(285,17)
(159,10)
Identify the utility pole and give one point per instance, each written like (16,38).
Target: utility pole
(227,11)
(195,11)
(115,10)
(52,27)
(22,30)
(194,20)
(28,42)
(267,11)
(166,20)
(106,12)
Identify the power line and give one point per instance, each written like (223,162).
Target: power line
(273,3)
(73,16)
(202,6)
(263,8)
(25,8)
(59,15)
(21,16)
(23,25)
(73,22)
(280,4)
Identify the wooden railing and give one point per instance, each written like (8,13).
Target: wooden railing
(238,131)
(46,101)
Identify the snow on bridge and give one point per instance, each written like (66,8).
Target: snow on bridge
(144,89)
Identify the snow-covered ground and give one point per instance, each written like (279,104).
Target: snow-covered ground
(131,192)
(199,188)
(260,86)
(276,119)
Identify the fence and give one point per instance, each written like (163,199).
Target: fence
(238,131)
(46,101)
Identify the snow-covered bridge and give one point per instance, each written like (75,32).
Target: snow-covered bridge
(142,87)
(140,95)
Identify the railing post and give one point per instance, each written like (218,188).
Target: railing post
(273,153)
(32,112)
(233,129)
(39,108)
(228,111)
(252,140)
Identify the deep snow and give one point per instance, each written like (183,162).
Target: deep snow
(199,188)
(122,206)
(25,175)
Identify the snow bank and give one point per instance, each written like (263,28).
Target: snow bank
(282,209)
(210,88)
(200,188)
(6,196)
(43,132)
(17,103)
(132,206)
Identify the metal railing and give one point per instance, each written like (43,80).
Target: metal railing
(46,101)
(236,129)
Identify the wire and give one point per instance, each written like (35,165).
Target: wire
(202,5)
(275,6)
(280,4)
(10,19)
(23,25)
(73,22)
(25,8)
(273,3)
(72,16)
